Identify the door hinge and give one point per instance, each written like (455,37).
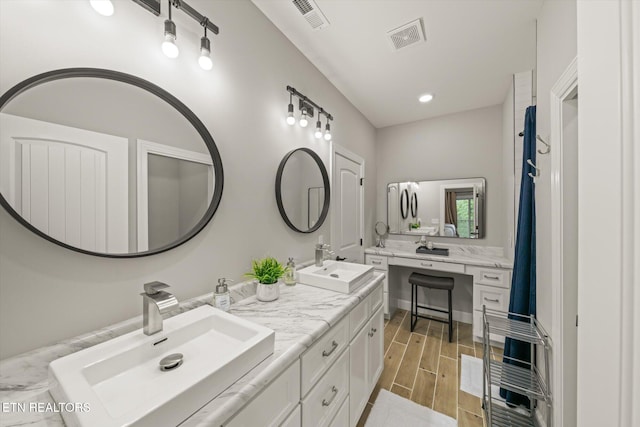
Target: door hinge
(576,320)
(360,242)
(361,181)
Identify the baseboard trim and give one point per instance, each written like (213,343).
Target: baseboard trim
(458,316)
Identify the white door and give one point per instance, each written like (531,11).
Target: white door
(346,202)
(69,183)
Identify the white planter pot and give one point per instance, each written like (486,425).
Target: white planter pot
(268,292)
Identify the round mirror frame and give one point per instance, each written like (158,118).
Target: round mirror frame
(325,182)
(160,93)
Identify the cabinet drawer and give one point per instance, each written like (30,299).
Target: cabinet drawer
(491,276)
(294,419)
(342,417)
(274,402)
(375,299)
(358,316)
(494,298)
(326,397)
(430,265)
(323,353)
(379,262)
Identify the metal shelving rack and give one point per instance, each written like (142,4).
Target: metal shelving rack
(523,378)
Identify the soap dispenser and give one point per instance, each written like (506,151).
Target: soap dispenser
(221,297)
(290,276)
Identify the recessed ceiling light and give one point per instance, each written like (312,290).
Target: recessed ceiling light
(425,98)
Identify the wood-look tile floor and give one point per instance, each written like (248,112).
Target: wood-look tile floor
(425,367)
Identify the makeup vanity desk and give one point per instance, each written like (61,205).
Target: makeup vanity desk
(490,270)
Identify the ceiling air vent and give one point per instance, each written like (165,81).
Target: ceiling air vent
(406,35)
(314,16)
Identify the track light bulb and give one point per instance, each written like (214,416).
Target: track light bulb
(303,118)
(103,7)
(205,54)
(169,46)
(290,119)
(327,132)
(318,133)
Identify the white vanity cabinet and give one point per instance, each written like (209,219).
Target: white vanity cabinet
(491,287)
(380,263)
(366,354)
(316,390)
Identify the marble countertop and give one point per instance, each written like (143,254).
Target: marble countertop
(458,254)
(299,317)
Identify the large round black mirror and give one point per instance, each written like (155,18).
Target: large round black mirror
(302,190)
(106,163)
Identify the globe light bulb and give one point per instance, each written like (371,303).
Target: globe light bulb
(327,133)
(205,54)
(169,46)
(290,119)
(103,7)
(303,119)
(318,133)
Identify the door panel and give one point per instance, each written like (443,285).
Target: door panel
(69,183)
(346,226)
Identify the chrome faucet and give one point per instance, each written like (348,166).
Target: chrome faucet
(322,251)
(155,302)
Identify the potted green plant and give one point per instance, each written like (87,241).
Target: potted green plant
(267,272)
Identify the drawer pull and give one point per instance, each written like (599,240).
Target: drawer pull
(334,390)
(326,353)
(372,332)
(376,262)
(426,264)
(491,299)
(491,277)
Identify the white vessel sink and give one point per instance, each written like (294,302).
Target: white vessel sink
(336,276)
(122,383)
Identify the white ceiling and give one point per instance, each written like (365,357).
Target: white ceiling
(472,49)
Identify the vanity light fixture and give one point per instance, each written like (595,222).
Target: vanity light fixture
(205,52)
(427,97)
(169,46)
(307,108)
(103,7)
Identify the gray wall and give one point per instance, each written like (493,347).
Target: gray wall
(461,145)
(53,293)
(557,47)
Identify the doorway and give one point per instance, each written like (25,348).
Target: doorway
(564,229)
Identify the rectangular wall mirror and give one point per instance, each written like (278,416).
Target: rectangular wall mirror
(445,208)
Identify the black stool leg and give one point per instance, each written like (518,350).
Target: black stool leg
(450,317)
(414,303)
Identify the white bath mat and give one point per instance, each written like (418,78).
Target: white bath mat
(391,410)
(471,380)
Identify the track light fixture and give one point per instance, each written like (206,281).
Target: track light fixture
(169,46)
(307,108)
(205,52)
